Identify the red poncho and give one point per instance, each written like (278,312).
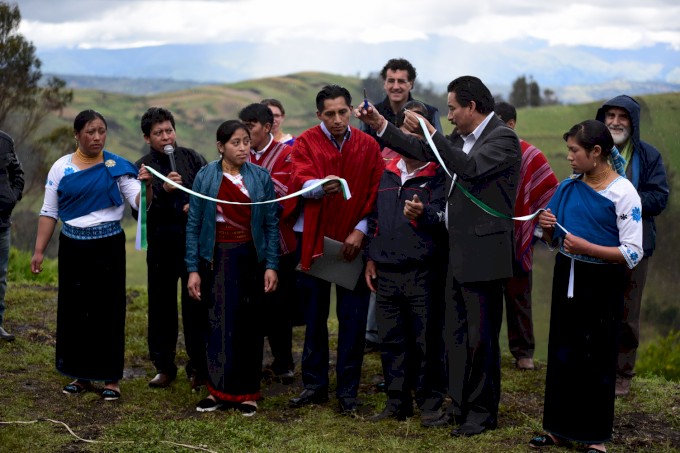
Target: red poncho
(537,184)
(277,159)
(359,162)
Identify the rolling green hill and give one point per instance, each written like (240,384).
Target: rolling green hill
(198,112)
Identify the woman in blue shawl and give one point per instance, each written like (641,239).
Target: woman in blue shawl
(87,190)
(595,220)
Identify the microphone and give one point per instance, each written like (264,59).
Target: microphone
(170,151)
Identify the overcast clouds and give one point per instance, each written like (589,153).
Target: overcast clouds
(638,38)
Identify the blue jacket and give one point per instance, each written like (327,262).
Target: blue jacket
(645,170)
(264,220)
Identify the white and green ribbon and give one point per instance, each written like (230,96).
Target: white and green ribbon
(483,206)
(140,239)
(141,218)
(345,190)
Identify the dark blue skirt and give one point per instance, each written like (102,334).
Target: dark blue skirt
(582,351)
(234,290)
(91,308)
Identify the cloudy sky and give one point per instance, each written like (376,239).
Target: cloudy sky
(558,43)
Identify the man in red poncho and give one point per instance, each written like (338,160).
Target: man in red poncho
(279,305)
(537,184)
(334,149)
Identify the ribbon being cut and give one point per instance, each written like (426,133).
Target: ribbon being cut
(483,206)
(140,243)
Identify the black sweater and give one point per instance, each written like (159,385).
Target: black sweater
(397,240)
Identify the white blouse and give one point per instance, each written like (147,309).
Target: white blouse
(628,218)
(129,188)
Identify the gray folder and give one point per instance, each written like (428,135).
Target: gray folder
(333,267)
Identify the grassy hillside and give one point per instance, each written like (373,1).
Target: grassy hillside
(34,411)
(198,111)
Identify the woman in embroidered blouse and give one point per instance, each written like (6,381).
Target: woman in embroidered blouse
(87,191)
(595,219)
(229,249)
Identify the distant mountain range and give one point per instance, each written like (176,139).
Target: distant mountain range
(572,94)
(126,85)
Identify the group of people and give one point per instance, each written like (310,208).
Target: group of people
(430,222)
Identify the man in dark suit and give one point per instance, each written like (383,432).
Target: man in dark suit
(483,157)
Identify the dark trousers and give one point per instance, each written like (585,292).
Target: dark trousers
(351,310)
(404,305)
(278,313)
(473,317)
(517,291)
(165,267)
(629,338)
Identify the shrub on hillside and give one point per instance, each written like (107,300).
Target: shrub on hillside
(661,358)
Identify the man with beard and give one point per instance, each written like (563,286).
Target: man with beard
(166,226)
(646,171)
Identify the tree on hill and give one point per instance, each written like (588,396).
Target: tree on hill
(527,93)
(24,101)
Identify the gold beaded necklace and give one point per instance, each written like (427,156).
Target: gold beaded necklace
(86,159)
(596,181)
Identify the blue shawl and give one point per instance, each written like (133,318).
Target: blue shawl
(93,189)
(584,213)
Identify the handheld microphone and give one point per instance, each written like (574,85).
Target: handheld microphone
(170,151)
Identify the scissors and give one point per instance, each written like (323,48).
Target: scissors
(365,100)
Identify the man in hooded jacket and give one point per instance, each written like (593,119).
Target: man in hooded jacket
(646,171)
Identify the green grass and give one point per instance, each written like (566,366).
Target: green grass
(30,387)
(153,420)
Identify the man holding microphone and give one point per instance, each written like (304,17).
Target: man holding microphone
(166,225)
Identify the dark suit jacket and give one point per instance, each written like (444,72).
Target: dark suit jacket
(481,246)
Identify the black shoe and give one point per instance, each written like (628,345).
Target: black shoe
(4,335)
(247,410)
(309,397)
(444,419)
(76,387)
(110,394)
(468,430)
(161,380)
(208,405)
(388,413)
(348,406)
(542,441)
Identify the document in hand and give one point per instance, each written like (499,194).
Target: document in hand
(332,267)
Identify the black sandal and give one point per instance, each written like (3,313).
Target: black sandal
(110,394)
(76,387)
(542,441)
